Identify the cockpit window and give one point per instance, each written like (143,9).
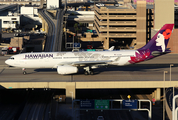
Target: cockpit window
(12,58)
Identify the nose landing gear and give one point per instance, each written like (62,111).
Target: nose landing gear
(24,72)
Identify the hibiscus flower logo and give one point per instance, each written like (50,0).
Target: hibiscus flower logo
(140,56)
(167,34)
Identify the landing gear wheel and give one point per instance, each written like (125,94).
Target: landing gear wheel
(24,72)
(86,73)
(91,72)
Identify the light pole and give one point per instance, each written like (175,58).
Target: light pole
(170,73)
(170,80)
(164,95)
(73,42)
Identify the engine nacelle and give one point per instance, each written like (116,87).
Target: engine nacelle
(66,69)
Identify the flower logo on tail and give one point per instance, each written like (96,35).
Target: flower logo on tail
(167,34)
(140,56)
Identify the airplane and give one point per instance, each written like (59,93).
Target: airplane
(70,62)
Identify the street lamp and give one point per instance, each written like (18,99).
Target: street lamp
(170,80)
(170,73)
(164,94)
(73,42)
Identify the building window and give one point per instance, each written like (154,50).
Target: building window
(6,22)
(13,18)
(14,22)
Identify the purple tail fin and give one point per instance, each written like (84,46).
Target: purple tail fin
(158,43)
(155,47)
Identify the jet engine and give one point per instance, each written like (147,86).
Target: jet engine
(66,69)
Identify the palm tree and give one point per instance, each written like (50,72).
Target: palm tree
(81,25)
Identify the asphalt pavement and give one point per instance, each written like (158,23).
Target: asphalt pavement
(151,70)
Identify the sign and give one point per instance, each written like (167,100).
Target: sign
(77,45)
(101,104)
(89,31)
(91,50)
(87,104)
(129,104)
(94,31)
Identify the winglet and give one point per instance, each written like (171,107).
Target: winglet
(111,48)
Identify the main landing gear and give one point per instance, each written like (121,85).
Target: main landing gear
(88,71)
(24,72)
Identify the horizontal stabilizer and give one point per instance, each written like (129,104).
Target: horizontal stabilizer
(111,48)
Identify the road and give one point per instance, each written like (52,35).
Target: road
(51,30)
(28,105)
(151,70)
(57,46)
(39,104)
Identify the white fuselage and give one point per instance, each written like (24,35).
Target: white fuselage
(53,59)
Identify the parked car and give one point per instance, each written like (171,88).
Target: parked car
(100,4)
(13,50)
(4,50)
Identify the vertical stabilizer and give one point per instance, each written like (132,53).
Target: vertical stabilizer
(160,40)
(155,47)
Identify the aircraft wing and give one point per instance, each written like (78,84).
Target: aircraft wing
(91,62)
(84,63)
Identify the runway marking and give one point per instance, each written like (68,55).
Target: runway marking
(7,67)
(2,70)
(12,68)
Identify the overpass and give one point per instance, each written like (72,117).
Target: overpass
(59,31)
(5,7)
(50,28)
(72,86)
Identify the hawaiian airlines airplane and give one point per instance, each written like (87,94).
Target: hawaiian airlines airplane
(70,62)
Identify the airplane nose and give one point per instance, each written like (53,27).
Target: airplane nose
(7,62)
